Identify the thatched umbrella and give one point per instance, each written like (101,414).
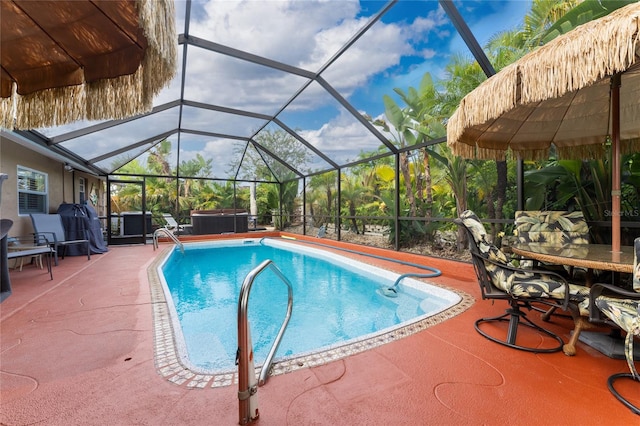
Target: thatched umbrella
(580,92)
(68,60)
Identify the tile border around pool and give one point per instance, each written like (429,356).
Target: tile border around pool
(169,365)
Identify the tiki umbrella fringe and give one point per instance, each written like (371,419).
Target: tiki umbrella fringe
(132,95)
(630,146)
(550,72)
(6,119)
(50,107)
(113,98)
(582,152)
(484,104)
(116,98)
(588,54)
(532,154)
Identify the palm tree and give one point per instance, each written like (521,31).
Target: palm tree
(352,192)
(326,184)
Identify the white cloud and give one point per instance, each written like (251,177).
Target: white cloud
(282,30)
(304,34)
(342,138)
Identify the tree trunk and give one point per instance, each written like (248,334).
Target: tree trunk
(404,169)
(461,206)
(352,213)
(428,199)
(491,211)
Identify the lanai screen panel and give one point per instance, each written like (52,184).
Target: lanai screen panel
(299,33)
(221,156)
(486,19)
(291,149)
(51,132)
(130,133)
(222,123)
(395,52)
(216,79)
(320,119)
(113,163)
(259,164)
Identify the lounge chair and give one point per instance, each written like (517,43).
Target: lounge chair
(51,227)
(173,225)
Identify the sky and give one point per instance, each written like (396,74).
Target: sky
(412,38)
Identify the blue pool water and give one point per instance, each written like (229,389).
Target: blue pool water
(335,300)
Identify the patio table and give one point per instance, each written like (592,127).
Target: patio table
(590,256)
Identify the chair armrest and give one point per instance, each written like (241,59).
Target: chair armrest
(31,240)
(53,238)
(538,272)
(599,289)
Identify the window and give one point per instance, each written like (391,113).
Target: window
(81,190)
(33,194)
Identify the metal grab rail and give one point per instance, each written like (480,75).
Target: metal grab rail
(170,235)
(247,386)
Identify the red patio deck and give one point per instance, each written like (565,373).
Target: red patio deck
(80,350)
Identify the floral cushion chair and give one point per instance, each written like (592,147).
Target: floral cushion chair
(555,227)
(622,307)
(500,279)
(559,228)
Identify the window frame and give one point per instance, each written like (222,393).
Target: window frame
(21,170)
(82,188)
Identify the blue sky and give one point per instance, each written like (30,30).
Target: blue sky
(484,18)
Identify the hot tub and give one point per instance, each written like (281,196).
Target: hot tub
(219,221)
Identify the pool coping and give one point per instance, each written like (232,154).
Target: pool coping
(170,366)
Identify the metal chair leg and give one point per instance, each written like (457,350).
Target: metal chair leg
(516,317)
(610,384)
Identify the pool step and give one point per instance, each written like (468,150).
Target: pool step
(408,309)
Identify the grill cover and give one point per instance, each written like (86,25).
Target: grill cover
(75,219)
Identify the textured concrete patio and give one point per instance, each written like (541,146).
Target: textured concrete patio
(79,350)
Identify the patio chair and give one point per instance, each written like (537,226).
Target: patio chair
(551,227)
(622,309)
(520,287)
(50,226)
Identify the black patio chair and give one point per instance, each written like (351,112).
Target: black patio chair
(520,287)
(621,308)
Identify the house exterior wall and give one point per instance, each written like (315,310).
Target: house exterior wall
(63,186)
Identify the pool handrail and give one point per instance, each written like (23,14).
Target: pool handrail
(170,235)
(248,389)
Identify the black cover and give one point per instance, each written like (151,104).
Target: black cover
(76,218)
(207,223)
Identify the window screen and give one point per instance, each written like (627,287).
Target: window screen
(32,191)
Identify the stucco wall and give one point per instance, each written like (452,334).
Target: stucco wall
(61,184)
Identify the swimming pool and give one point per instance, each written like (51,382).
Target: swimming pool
(330,303)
